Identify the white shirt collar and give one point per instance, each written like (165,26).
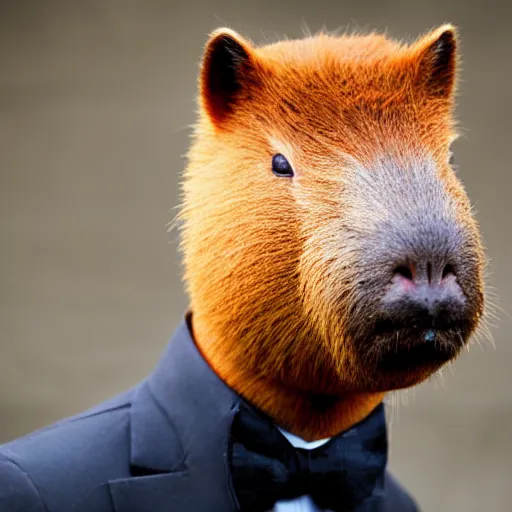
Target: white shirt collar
(298,442)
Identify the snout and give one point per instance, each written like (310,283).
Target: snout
(416,269)
(425,294)
(425,311)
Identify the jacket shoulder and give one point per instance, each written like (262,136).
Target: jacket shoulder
(67,465)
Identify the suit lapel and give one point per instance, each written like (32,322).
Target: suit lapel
(180,421)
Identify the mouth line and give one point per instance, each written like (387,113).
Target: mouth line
(407,349)
(404,346)
(429,328)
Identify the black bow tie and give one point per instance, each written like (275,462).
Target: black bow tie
(339,475)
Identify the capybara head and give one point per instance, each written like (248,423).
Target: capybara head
(329,245)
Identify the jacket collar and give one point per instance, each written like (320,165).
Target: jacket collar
(180,424)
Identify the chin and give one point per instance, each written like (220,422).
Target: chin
(403,357)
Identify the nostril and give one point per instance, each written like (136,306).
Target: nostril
(404,271)
(448,270)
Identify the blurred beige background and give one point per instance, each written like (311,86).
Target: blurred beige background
(95,102)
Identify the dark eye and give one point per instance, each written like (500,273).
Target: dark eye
(281,167)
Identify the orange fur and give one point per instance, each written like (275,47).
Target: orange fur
(263,280)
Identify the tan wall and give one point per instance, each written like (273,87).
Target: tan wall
(95,101)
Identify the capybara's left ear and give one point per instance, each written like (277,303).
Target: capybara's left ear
(435,58)
(228,69)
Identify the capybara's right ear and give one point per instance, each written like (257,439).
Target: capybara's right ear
(227,66)
(436,60)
